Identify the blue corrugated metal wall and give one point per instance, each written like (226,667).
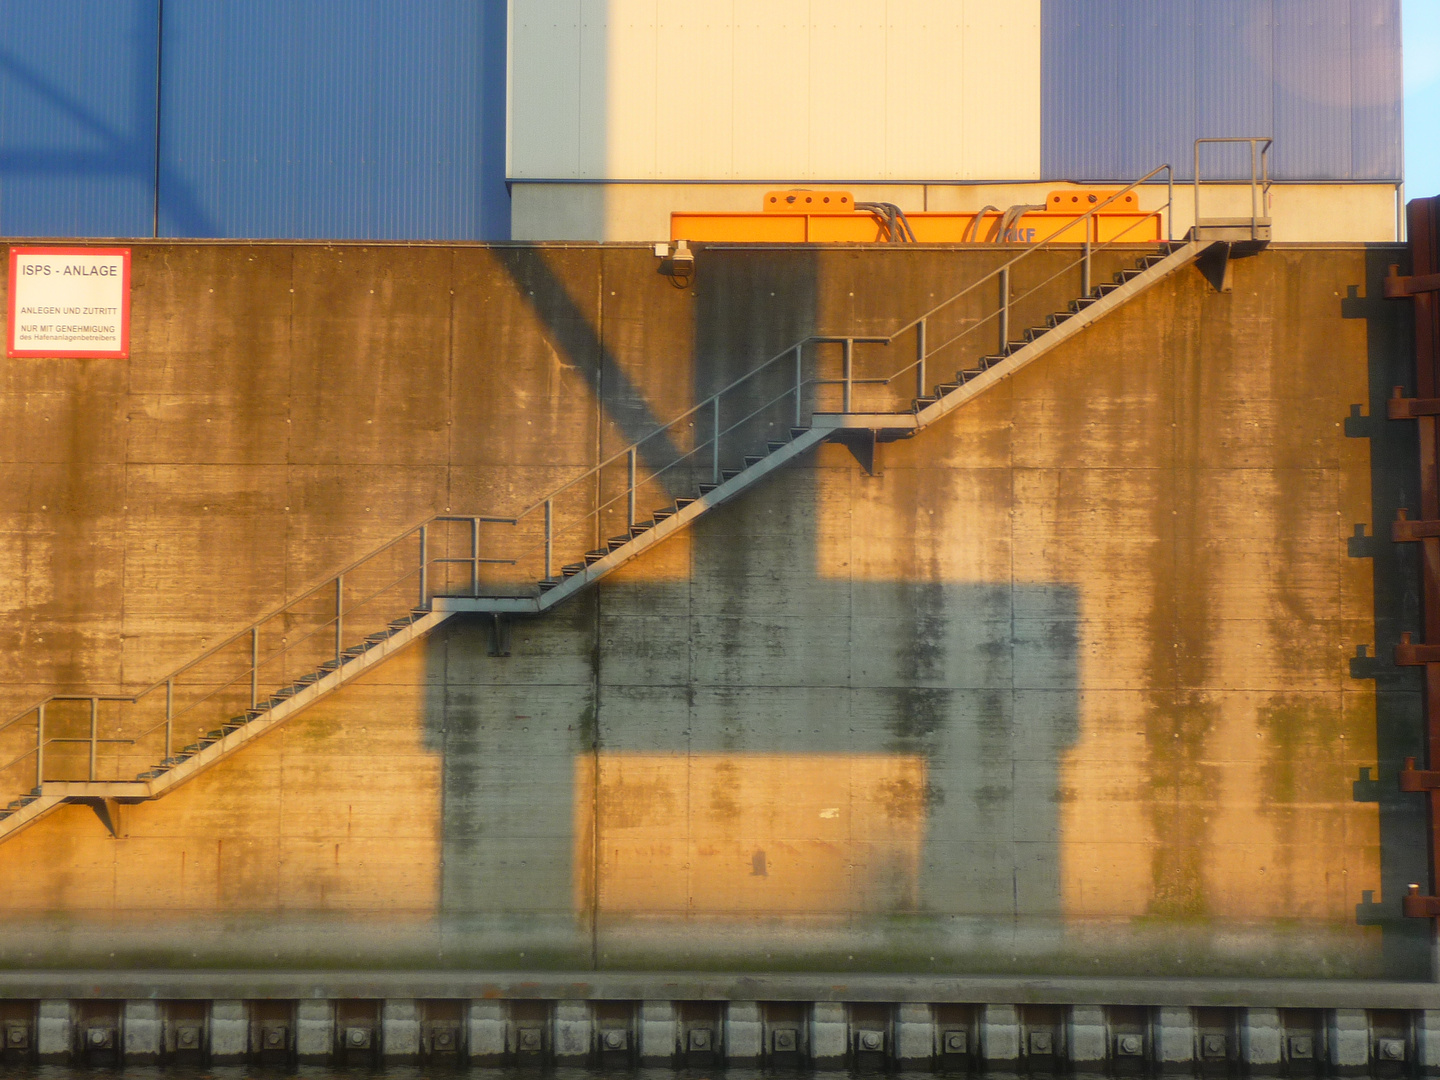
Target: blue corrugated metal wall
(77,117)
(336,119)
(1129,84)
(365,119)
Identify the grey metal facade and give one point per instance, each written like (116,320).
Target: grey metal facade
(275,118)
(1128,84)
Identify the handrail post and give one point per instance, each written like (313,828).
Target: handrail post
(715,444)
(1196,181)
(1005,308)
(169,718)
(630,497)
(339,615)
(549,537)
(40,744)
(254,665)
(799,376)
(1169,205)
(1254,207)
(920,358)
(848,373)
(424,567)
(475,556)
(1085,265)
(94,733)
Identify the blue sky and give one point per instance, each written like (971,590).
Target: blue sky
(1420,24)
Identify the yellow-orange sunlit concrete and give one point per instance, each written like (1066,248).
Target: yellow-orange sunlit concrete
(721,833)
(1196,513)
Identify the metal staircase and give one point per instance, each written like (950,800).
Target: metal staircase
(112,750)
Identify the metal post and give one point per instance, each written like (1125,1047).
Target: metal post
(848,373)
(39,745)
(715,444)
(549,538)
(254,665)
(475,556)
(424,568)
(339,614)
(94,733)
(169,718)
(630,500)
(1254,206)
(1085,264)
(799,376)
(1005,307)
(1169,205)
(920,359)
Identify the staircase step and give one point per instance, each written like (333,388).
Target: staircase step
(772,447)
(641,527)
(796,432)
(546,584)
(729,474)
(681,503)
(922,403)
(572,569)
(946,388)
(617,542)
(751,462)
(592,557)
(705,489)
(1034,333)
(661,515)
(151,774)
(1080,304)
(1105,290)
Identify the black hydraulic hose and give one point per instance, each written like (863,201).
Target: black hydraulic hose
(972,231)
(897,226)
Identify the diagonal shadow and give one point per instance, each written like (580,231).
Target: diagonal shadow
(581,346)
(134,154)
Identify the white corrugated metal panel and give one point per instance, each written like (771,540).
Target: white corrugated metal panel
(775,89)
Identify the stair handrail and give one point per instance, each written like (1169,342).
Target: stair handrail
(630,451)
(1002,271)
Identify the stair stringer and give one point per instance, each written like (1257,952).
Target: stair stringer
(55,793)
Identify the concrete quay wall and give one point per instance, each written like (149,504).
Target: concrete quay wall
(1068,687)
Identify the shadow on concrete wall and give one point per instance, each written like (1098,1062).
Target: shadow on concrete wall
(796,682)
(1399,704)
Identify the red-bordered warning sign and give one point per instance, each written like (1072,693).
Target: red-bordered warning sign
(69,302)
